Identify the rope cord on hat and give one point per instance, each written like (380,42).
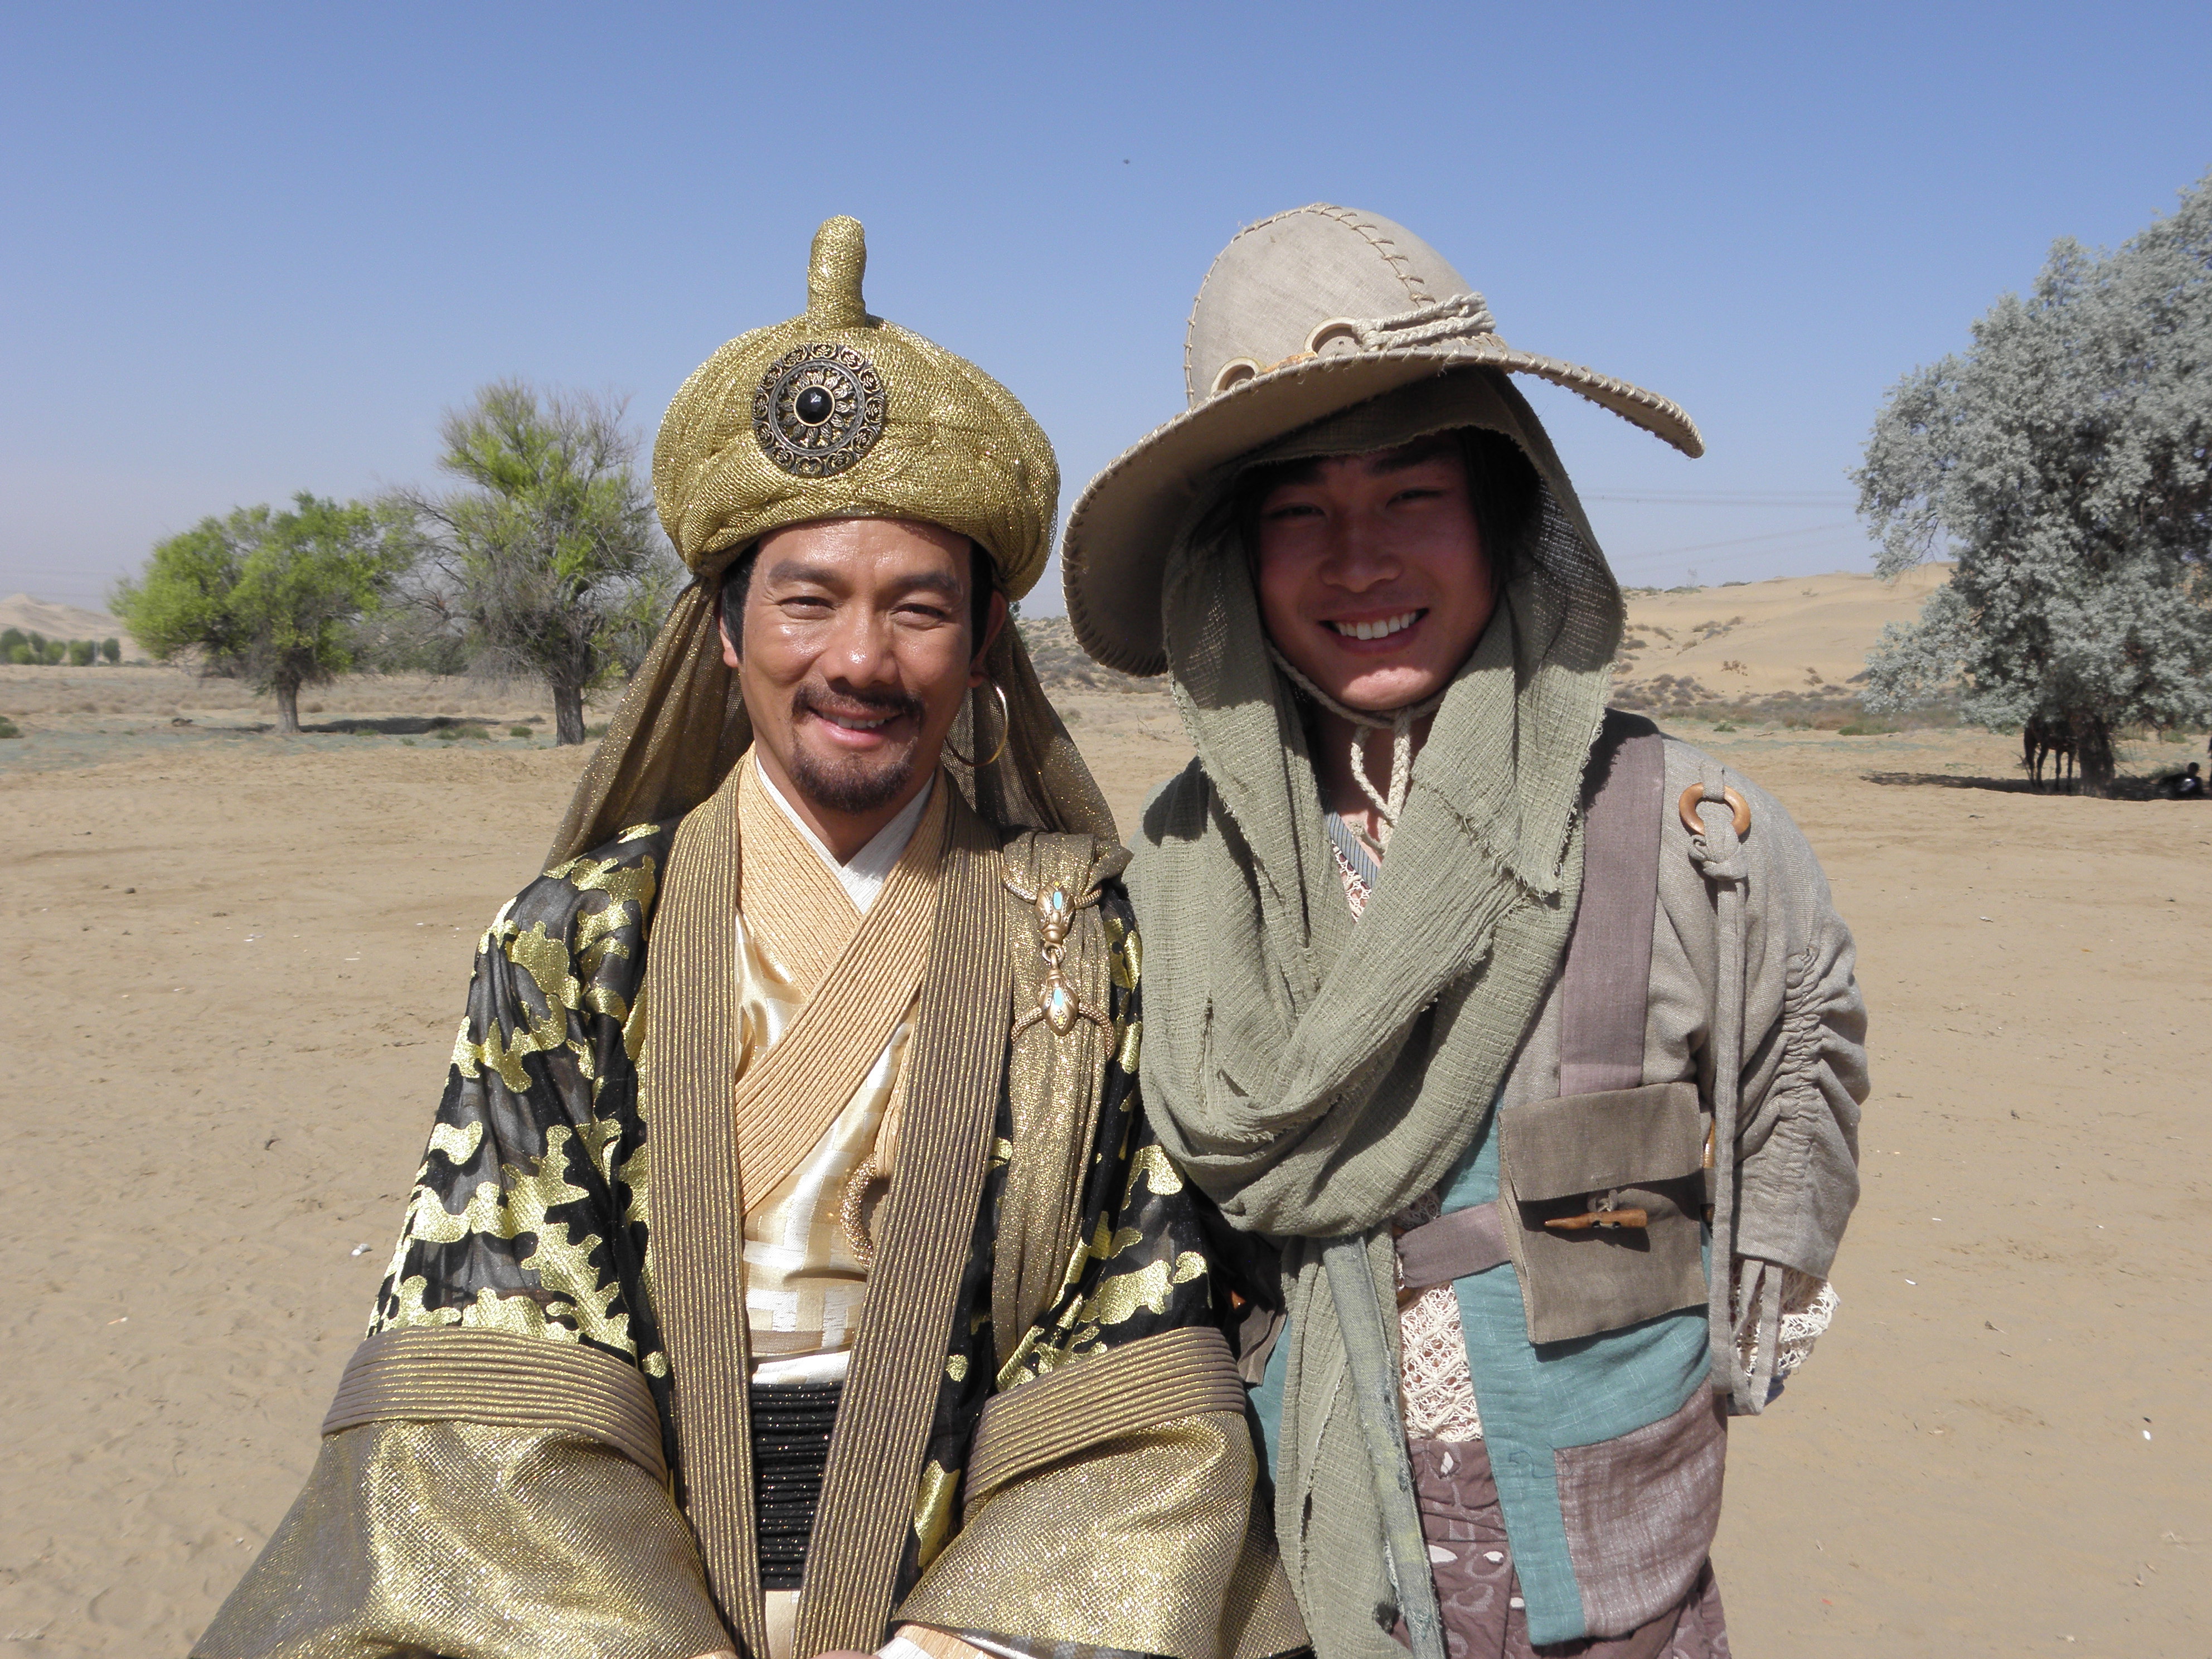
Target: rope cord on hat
(1456,317)
(1398,722)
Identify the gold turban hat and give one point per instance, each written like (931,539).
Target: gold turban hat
(836,415)
(839,415)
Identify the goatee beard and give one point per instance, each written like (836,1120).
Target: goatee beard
(854,784)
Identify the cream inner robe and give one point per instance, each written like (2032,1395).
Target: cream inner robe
(807,1279)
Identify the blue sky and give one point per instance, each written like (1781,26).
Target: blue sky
(245,251)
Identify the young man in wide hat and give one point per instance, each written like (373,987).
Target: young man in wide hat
(1527,1037)
(792,1268)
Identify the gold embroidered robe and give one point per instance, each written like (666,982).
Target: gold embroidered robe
(541,1448)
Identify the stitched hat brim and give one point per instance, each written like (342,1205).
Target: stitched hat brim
(1115,549)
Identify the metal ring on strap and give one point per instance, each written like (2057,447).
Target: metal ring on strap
(1694,796)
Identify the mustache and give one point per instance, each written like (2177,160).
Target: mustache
(889,705)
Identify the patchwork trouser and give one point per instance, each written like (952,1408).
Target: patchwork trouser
(1480,1597)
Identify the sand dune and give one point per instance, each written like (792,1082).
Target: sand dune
(1800,635)
(63,622)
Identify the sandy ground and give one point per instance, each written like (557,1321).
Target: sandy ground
(240,958)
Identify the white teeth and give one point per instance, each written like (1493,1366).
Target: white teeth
(858,726)
(1377,631)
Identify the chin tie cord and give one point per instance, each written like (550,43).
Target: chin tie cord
(1398,722)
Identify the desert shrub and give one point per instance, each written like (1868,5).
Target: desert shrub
(549,558)
(272,596)
(8,728)
(2061,460)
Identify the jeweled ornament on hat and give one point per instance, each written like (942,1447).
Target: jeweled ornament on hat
(819,409)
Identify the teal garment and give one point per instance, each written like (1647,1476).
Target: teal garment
(1536,1400)
(1267,1398)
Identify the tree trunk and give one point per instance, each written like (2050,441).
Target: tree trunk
(287,706)
(2092,756)
(568,714)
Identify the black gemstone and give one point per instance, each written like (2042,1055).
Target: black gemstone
(813,405)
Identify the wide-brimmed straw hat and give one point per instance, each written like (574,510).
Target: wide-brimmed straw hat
(1302,316)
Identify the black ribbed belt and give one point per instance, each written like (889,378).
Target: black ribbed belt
(791,1425)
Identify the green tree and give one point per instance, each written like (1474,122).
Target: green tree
(110,650)
(549,556)
(270,597)
(2064,460)
(82,652)
(10,639)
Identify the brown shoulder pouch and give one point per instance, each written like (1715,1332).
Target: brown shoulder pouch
(1602,1187)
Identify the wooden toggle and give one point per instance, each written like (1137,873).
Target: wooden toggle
(1575,1224)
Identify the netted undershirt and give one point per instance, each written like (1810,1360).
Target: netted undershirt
(1436,1389)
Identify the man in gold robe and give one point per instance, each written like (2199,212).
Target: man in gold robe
(791,1269)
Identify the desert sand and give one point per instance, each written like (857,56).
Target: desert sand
(1799,634)
(240,958)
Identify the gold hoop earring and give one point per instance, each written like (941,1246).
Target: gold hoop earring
(1006,732)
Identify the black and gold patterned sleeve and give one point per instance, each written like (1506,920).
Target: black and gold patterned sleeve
(1108,1496)
(528,1215)
(493,1476)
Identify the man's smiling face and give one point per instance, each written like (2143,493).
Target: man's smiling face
(1372,574)
(858,650)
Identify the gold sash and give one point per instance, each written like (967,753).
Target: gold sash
(787,1098)
(957,1068)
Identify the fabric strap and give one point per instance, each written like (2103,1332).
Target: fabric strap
(1719,857)
(958,1067)
(1470,1241)
(697,1255)
(1607,978)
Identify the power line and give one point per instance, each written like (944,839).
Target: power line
(1670,498)
(1740,541)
